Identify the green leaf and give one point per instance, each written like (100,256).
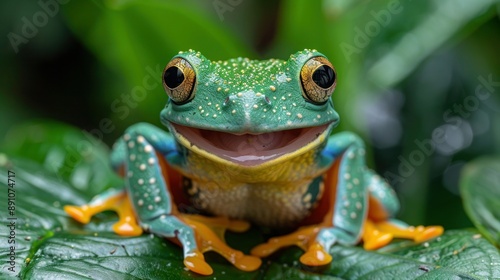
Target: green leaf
(480,188)
(73,155)
(444,20)
(458,253)
(50,245)
(131,35)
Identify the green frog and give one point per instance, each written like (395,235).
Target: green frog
(250,141)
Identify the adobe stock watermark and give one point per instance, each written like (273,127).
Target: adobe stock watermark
(39,19)
(223,6)
(453,116)
(363,36)
(123,105)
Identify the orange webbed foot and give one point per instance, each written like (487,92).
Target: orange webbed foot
(115,201)
(377,235)
(210,237)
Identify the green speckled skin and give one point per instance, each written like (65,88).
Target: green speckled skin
(249,97)
(231,96)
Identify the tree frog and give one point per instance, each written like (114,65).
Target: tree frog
(250,142)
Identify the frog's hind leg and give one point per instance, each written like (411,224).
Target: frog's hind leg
(114,200)
(380,228)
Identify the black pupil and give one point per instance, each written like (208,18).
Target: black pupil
(324,76)
(173,77)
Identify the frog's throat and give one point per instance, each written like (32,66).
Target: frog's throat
(250,150)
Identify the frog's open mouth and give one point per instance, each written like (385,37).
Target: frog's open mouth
(250,149)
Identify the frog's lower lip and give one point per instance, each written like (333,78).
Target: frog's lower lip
(249,149)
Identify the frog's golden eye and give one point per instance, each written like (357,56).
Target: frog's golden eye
(179,80)
(318,80)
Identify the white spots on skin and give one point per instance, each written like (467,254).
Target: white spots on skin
(130,173)
(150,207)
(354,195)
(142,167)
(355,181)
(272,88)
(148,148)
(347,176)
(126,137)
(140,139)
(359,205)
(131,144)
(140,202)
(132,157)
(351,155)
(151,161)
(299,115)
(157,199)
(353,215)
(152,180)
(140,181)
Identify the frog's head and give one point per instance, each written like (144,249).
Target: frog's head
(249,112)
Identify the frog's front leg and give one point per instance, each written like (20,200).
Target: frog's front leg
(349,189)
(345,191)
(143,153)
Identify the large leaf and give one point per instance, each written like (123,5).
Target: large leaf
(49,245)
(480,188)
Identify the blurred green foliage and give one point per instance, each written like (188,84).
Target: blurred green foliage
(409,73)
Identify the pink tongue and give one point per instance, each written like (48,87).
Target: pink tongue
(249,144)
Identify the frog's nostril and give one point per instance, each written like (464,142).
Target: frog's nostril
(268,101)
(226,101)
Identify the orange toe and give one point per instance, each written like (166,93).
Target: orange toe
(127,228)
(78,213)
(428,233)
(196,263)
(377,241)
(316,256)
(247,263)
